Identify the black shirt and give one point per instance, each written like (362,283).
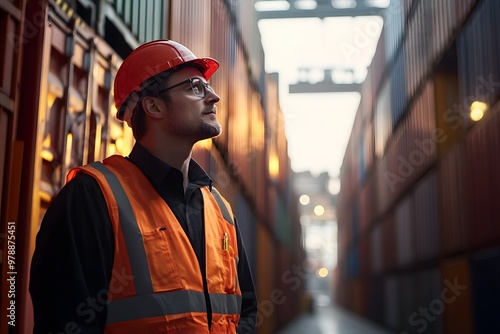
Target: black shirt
(73,259)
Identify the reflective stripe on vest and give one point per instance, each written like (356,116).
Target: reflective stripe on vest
(174,302)
(131,232)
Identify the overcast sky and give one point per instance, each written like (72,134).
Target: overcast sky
(318,125)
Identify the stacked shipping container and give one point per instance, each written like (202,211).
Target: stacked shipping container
(429,240)
(79,46)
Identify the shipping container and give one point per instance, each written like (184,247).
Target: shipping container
(265,279)
(482,166)
(456,295)
(405,230)
(392,309)
(394,28)
(485,275)
(450,115)
(367,203)
(376,303)
(365,259)
(428,306)
(377,249)
(407,300)
(12,18)
(463,11)
(389,243)
(427,233)
(453,213)
(478,54)
(435,172)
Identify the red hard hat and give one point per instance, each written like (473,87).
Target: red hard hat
(151,59)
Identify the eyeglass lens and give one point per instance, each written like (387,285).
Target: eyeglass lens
(199,87)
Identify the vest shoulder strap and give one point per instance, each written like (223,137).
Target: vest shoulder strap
(223,208)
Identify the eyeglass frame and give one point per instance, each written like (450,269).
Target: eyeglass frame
(205,86)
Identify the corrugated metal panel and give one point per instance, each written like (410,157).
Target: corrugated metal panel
(144,18)
(394,24)
(456,294)
(344,218)
(358,292)
(378,66)
(376,303)
(245,13)
(238,135)
(413,146)
(485,274)
(352,261)
(383,119)
(389,244)
(407,300)
(392,310)
(463,8)
(398,89)
(246,222)
(283,226)
(286,307)
(220,50)
(194,32)
(384,185)
(367,204)
(413,43)
(267,254)
(258,171)
(478,54)
(347,177)
(427,234)
(452,200)
(365,255)
(368,147)
(377,248)
(449,115)
(484,179)
(367,97)
(442,15)
(427,312)
(355,222)
(404,223)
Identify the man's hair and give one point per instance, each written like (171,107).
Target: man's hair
(149,89)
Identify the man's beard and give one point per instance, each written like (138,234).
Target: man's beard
(211,130)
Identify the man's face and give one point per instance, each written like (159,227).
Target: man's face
(188,115)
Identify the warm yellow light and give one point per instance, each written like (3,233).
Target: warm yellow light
(119,145)
(304,199)
(477,110)
(50,100)
(115,130)
(476,114)
(322,272)
(319,210)
(69,148)
(274,166)
(113,110)
(206,144)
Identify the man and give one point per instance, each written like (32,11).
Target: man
(145,244)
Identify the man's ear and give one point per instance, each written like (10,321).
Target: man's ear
(151,107)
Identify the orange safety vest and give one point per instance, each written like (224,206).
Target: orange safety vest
(156,284)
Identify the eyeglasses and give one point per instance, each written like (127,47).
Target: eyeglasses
(198,87)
